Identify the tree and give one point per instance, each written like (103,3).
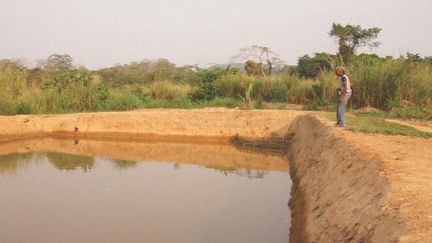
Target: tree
(261,58)
(310,67)
(351,37)
(57,62)
(162,69)
(252,67)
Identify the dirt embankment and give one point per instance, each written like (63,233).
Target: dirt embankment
(360,187)
(338,194)
(215,123)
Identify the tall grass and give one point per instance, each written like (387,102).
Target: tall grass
(389,83)
(12,86)
(288,88)
(401,86)
(13,80)
(168,90)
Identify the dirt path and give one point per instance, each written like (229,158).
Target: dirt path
(425,126)
(407,165)
(406,162)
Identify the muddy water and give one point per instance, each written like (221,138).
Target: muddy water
(113,191)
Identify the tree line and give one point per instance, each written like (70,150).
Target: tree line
(254,76)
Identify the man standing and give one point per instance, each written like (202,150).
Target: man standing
(344,93)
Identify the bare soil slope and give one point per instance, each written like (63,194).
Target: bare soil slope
(407,166)
(218,123)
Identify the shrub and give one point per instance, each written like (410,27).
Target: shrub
(123,102)
(205,91)
(224,102)
(167,90)
(7,106)
(24,107)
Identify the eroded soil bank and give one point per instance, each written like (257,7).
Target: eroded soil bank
(339,195)
(217,123)
(348,186)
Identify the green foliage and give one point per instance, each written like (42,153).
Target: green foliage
(377,124)
(233,86)
(122,102)
(312,107)
(7,106)
(350,37)
(167,90)
(258,104)
(13,79)
(177,102)
(24,107)
(254,68)
(146,72)
(100,96)
(387,83)
(402,87)
(287,88)
(222,102)
(58,62)
(412,112)
(311,67)
(13,83)
(68,91)
(61,81)
(259,60)
(212,74)
(326,89)
(303,92)
(206,89)
(380,125)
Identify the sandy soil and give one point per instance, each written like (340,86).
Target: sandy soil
(218,123)
(405,164)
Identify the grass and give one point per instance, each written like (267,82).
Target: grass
(376,123)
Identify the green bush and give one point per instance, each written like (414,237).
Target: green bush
(168,91)
(7,106)
(205,91)
(312,107)
(223,102)
(123,102)
(24,107)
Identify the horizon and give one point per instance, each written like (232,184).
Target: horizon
(103,34)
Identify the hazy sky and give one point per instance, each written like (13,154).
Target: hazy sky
(100,33)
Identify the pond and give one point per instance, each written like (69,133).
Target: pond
(144,191)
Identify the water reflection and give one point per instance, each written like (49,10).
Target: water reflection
(125,164)
(239,172)
(68,155)
(70,162)
(11,163)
